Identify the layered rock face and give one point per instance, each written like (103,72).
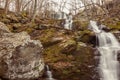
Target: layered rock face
(20,57)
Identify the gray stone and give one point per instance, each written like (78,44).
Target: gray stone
(20,57)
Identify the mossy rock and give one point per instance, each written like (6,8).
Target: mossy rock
(85,36)
(12,18)
(23,14)
(84,32)
(6,21)
(52,54)
(114,27)
(78,67)
(79,25)
(31,25)
(66,58)
(69,46)
(17,25)
(2,16)
(47,37)
(10,27)
(29,30)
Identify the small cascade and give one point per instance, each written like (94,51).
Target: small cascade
(68,22)
(108,48)
(62,15)
(49,74)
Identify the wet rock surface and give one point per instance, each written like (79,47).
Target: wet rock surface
(117,35)
(20,57)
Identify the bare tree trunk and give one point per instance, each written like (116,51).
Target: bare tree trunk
(34,11)
(18,4)
(6,6)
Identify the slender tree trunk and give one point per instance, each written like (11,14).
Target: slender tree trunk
(18,5)
(34,11)
(6,6)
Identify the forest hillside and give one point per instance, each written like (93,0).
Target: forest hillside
(34,34)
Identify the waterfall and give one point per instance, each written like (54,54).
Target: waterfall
(49,74)
(68,22)
(108,48)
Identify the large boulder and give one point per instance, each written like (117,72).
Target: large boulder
(20,57)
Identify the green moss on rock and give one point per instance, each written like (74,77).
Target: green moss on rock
(80,25)
(114,27)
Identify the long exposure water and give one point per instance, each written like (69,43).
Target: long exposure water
(108,48)
(49,74)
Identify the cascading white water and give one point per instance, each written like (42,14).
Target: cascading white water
(108,48)
(68,22)
(49,74)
